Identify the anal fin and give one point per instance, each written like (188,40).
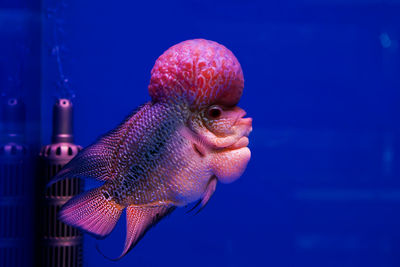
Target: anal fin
(139,219)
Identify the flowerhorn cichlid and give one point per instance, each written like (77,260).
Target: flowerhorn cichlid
(170,152)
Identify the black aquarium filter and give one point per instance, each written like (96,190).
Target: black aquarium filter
(16,194)
(61,245)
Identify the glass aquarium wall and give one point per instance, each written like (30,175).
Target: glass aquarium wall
(321,83)
(20,87)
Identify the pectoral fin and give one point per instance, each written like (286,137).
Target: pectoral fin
(212,185)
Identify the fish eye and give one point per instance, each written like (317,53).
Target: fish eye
(214,112)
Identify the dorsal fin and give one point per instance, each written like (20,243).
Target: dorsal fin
(96,160)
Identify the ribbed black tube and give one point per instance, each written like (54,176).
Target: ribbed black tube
(61,244)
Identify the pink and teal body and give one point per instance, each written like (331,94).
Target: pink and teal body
(172,151)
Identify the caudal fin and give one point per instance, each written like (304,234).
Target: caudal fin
(92,212)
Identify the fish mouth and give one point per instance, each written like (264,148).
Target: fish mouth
(245,128)
(242,121)
(245,125)
(241,113)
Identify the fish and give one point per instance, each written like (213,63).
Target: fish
(170,152)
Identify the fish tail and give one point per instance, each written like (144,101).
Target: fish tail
(93,211)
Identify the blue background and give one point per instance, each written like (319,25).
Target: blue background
(322,85)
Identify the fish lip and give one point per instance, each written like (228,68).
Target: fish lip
(241,143)
(240,119)
(242,113)
(246,123)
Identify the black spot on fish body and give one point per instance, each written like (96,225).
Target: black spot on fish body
(152,150)
(106,195)
(160,138)
(126,184)
(146,156)
(130,176)
(156,148)
(135,172)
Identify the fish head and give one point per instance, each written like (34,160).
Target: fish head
(208,78)
(221,134)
